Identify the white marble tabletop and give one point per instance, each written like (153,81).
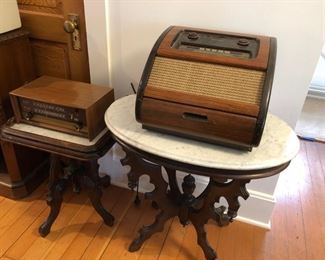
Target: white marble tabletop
(279,143)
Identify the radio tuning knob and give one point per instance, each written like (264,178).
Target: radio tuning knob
(193,36)
(243,42)
(78,126)
(28,115)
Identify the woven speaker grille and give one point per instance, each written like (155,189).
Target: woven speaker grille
(205,79)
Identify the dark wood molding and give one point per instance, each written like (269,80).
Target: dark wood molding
(22,169)
(266,96)
(146,73)
(23,187)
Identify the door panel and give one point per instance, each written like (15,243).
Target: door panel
(44,5)
(34,23)
(52,46)
(50,59)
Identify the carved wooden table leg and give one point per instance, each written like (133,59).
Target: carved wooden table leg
(94,183)
(55,195)
(199,215)
(64,170)
(159,195)
(187,207)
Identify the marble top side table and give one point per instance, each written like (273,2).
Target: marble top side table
(73,159)
(229,170)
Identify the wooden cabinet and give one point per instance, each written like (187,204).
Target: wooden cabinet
(21,169)
(16,66)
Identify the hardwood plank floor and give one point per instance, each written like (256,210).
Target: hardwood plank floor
(298,224)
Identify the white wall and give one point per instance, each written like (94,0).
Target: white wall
(323,24)
(135,25)
(97,41)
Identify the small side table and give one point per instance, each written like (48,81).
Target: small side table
(73,159)
(229,170)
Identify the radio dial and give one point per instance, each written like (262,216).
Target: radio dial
(193,36)
(28,115)
(243,42)
(78,127)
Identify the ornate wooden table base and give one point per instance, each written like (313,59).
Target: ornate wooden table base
(229,170)
(73,160)
(63,171)
(171,202)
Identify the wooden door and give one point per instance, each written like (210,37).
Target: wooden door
(52,47)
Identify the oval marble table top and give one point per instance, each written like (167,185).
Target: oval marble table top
(279,143)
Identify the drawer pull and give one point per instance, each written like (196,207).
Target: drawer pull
(195,117)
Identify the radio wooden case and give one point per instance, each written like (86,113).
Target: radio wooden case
(64,105)
(208,85)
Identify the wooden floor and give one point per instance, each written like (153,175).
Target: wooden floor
(298,224)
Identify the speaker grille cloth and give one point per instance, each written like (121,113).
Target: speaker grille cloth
(207,79)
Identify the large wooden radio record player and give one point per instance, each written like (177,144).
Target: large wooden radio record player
(208,85)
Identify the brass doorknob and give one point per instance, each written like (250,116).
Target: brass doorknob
(70,26)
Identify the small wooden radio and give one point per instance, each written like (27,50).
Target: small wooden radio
(208,85)
(64,105)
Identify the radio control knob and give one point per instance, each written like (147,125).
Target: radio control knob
(193,36)
(28,115)
(243,42)
(78,126)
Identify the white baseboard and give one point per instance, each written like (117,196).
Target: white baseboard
(254,222)
(316,93)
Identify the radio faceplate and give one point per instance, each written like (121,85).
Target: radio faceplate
(216,43)
(30,108)
(36,111)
